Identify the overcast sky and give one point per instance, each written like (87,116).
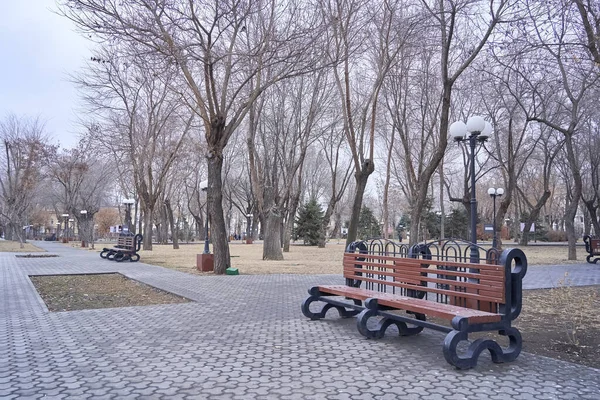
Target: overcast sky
(39,49)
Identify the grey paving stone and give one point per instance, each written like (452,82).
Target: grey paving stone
(242,337)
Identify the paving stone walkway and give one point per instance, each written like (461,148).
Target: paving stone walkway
(243,337)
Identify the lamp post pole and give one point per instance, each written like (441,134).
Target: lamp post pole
(83,227)
(204,188)
(66,229)
(205,261)
(474,249)
(495,192)
(478,132)
(128,203)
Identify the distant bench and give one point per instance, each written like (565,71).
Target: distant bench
(592,246)
(471,297)
(127,248)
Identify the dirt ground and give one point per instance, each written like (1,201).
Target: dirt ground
(81,292)
(562,323)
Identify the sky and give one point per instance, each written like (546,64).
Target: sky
(39,50)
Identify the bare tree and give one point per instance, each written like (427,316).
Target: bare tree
(84,182)
(24,146)
(576,76)
(138,120)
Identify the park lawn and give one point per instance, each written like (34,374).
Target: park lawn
(15,247)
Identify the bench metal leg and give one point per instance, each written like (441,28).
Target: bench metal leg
(342,311)
(590,258)
(469,358)
(384,323)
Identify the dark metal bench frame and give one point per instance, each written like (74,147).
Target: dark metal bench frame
(391,276)
(592,246)
(127,248)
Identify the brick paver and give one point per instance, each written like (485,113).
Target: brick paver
(243,337)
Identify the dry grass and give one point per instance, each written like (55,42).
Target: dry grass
(305,259)
(248,258)
(11,246)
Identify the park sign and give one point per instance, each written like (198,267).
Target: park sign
(488,228)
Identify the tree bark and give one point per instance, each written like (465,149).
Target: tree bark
(272,228)
(361,178)
(174,231)
(218,231)
(148,229)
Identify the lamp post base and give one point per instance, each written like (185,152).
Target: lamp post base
(205,262)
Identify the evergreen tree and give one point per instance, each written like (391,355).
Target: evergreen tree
(368,226)
(308,222)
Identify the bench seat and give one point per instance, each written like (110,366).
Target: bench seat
(420,306)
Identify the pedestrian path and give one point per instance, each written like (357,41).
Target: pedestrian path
(243,337)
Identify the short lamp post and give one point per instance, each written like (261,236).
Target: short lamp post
(249,228)
(475,131)
(205,261)
(66,229)
(83,227)
(495,192)
(128,203)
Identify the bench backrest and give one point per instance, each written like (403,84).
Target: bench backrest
(125,241)
(439,277)
(592,245)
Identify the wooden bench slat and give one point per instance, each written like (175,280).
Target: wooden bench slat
(474,296)
(353,257)
(418,271)
(489,285)
(421,306)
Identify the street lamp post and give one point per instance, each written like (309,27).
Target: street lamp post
(476,131)
(66,229)
(495,192)
(128,203)
(83,227)
(205,261)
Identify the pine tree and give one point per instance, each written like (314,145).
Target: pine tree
(308,222)
(368,226)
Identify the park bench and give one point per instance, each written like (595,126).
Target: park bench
(592,246)
(127,248)
(402,286)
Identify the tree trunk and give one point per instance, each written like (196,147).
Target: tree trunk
(174,231)
(290,222)
(218,231)
(593,217)
(361,178)
(325,222)
(147,230)
(533,216)
(571,208)
(272,228)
